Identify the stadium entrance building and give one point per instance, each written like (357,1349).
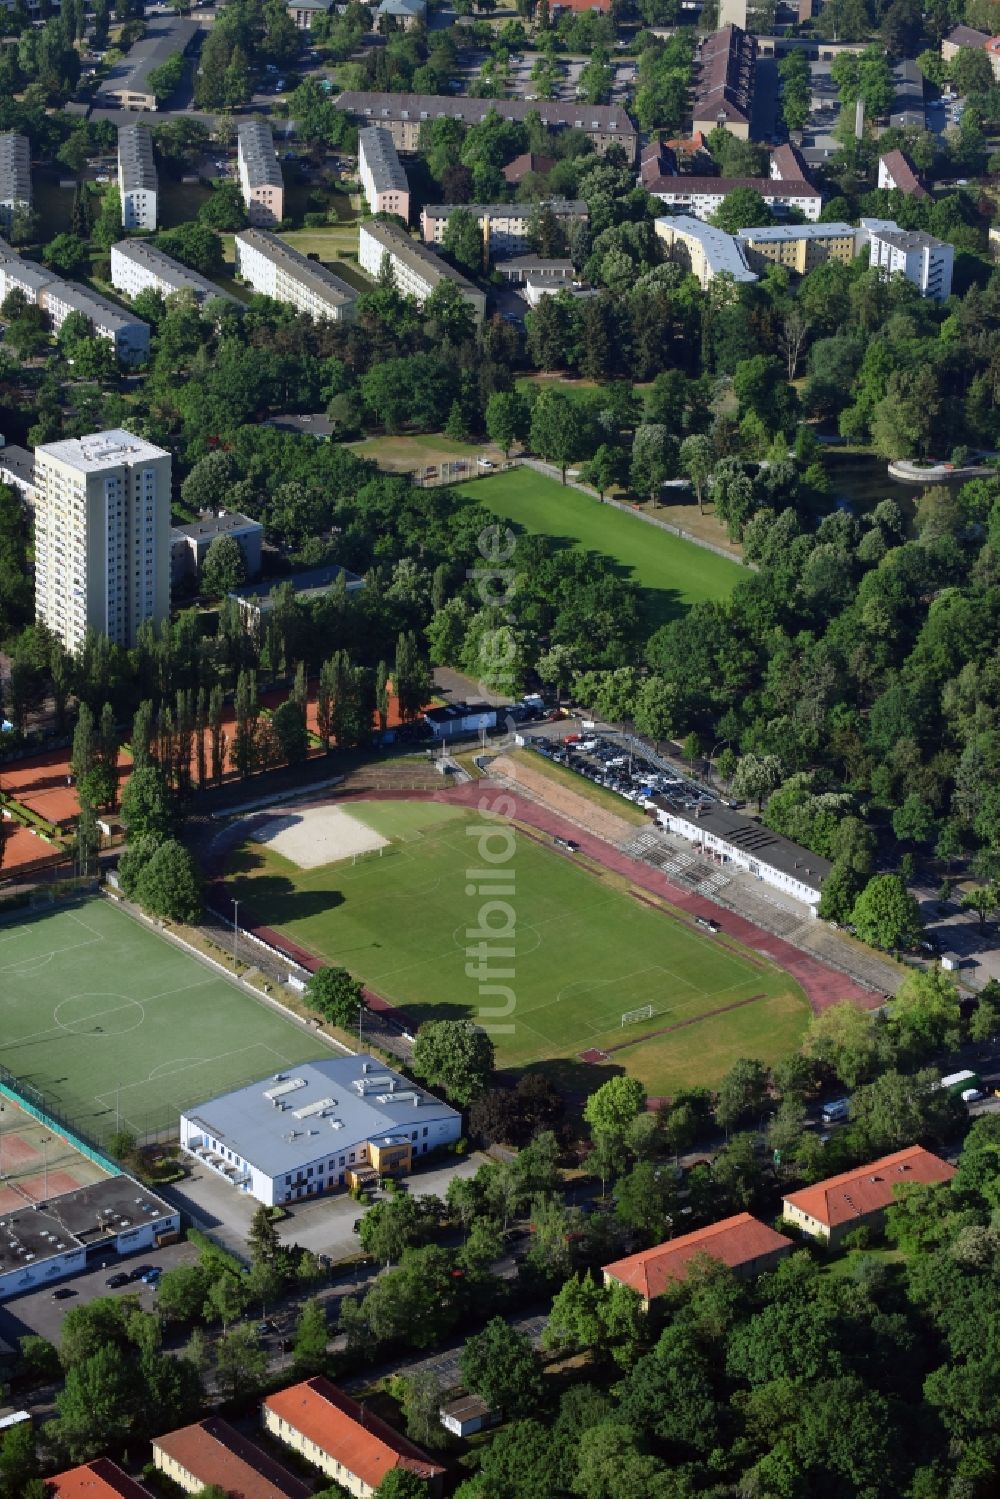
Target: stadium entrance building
(317,1127)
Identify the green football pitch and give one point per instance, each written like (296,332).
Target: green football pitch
(108,1021)
(671,572)
(586,950)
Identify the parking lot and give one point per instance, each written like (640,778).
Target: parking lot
(42,1311)
(619,765)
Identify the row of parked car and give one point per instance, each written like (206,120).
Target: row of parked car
(607,764)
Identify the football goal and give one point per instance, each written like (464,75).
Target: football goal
(644,1012)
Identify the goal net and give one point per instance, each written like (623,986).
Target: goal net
(644,1012)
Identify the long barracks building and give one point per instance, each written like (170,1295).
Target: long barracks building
(403,114)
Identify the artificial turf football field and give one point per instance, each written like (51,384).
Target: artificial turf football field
(106,1019)
(586,950)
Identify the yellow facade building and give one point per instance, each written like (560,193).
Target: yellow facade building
(798,247)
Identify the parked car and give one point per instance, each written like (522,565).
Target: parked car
(63,1293)
(117,1280)
(139,1273)
(152,1275)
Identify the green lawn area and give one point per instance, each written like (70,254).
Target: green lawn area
(585,950)
(179,202)
(406,453)
(672,573)
(53,205)
(336,245)
(98,1012)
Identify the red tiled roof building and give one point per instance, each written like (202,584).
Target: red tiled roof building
(742,1242)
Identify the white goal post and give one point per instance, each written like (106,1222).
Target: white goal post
(645,1012)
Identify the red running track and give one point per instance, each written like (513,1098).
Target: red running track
(823,985)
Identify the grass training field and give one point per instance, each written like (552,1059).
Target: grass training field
(672,572)
(585,948)
(97,1013)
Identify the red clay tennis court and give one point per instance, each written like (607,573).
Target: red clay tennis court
(24,850)
(36,1161)
(42,783)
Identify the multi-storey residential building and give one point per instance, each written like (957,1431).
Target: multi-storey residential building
(707,252)
(304,12)
(922,259)
(727,63)
(276,270)
(138,266)
(788,165)
(189,545)
(798,247)
(261,182)
(963,36)
(403,114)
(22,275)
(417,270)
(102,536)
(15,176)
(382,177)
(400,15)
(129,335)
(505,227)
(702,196)
(896,171)
(17,469)
(137,180)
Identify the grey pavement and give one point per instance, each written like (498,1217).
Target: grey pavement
(960,932)
(37,1312)
(461,688)
(324,1225)
(443,1362)
(764,122)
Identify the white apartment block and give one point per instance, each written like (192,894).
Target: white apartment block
(102,536)
(505,227)
(702,196)
(138,266)
(276,270)
(416,269)
(22,275)
(129,335)
(925,261)
(137,180)
(15,176)
(382,177)
(261,182)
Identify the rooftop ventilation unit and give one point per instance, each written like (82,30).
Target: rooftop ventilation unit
(319,1107)
(291,1085)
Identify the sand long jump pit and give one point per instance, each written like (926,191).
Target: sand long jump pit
(312,836)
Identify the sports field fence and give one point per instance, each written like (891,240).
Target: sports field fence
(33,1102)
